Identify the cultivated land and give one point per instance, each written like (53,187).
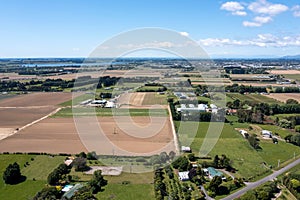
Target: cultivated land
(285,96)
(51,135)
(252,97)
(280,72)
(62,133)
(21,110)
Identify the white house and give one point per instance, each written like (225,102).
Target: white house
(183,176)
(243,133)
(186,149)
(266,133)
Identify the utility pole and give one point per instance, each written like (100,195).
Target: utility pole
(278,163)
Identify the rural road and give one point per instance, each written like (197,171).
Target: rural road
(262,181)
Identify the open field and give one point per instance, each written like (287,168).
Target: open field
(21,110)
(38,168)
(127,192)
(280,72)
(285,96)
(247,160)
(252,97)
(152,98)
(61,133)
(36,99)
(52,135)
(295,77)
(108,112)
(133,99)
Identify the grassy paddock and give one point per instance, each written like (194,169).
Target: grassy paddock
(38,168)
(108,112)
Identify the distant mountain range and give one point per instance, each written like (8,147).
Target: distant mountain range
(291,57)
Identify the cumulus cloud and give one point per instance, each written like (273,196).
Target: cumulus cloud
(296,11)
(262,10)
(257,21)
(261,40)
(234,7)
(267,8)
(184,34)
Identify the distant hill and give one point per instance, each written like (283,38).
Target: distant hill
(291,57)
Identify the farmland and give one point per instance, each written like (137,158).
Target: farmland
(247,160)
(282,97)
(252,97)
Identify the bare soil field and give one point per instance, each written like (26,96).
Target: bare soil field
(21,110)
(18,117)
(59,135)
(280,72)
(112,73)
(36,99)
(52,135)
(16,76)
(133,99)
(285,96)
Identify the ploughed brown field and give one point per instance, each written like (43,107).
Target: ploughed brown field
(59,135)
(36,99)
(18,111)
(285,96)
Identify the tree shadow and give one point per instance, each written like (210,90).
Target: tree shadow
(17,181)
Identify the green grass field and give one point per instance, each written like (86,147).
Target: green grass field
(252,97)
(154,98)
(108,112)
(127,192)
(247,160)
(292,76)
(276,129)
(38,168)
(78,100)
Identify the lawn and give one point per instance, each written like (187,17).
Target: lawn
(276,129)
(127,192)
(38,168)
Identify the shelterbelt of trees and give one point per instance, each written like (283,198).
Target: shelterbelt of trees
(55,85)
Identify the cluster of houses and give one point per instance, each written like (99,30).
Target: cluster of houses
(264,133)
(197,108)
(210,172)
(103,103)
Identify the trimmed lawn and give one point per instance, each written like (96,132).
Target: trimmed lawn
(127,192)
(276,129)
(39,169)
(24,190)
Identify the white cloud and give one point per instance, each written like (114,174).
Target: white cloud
(184,34)
(267,8)
(262,10)
(239,13)
(251,24)
(262,40)
(234,7)
(258,21)
(296,11)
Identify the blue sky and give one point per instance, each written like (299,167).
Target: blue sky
(73,28)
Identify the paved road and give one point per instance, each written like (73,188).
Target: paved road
(262,181)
